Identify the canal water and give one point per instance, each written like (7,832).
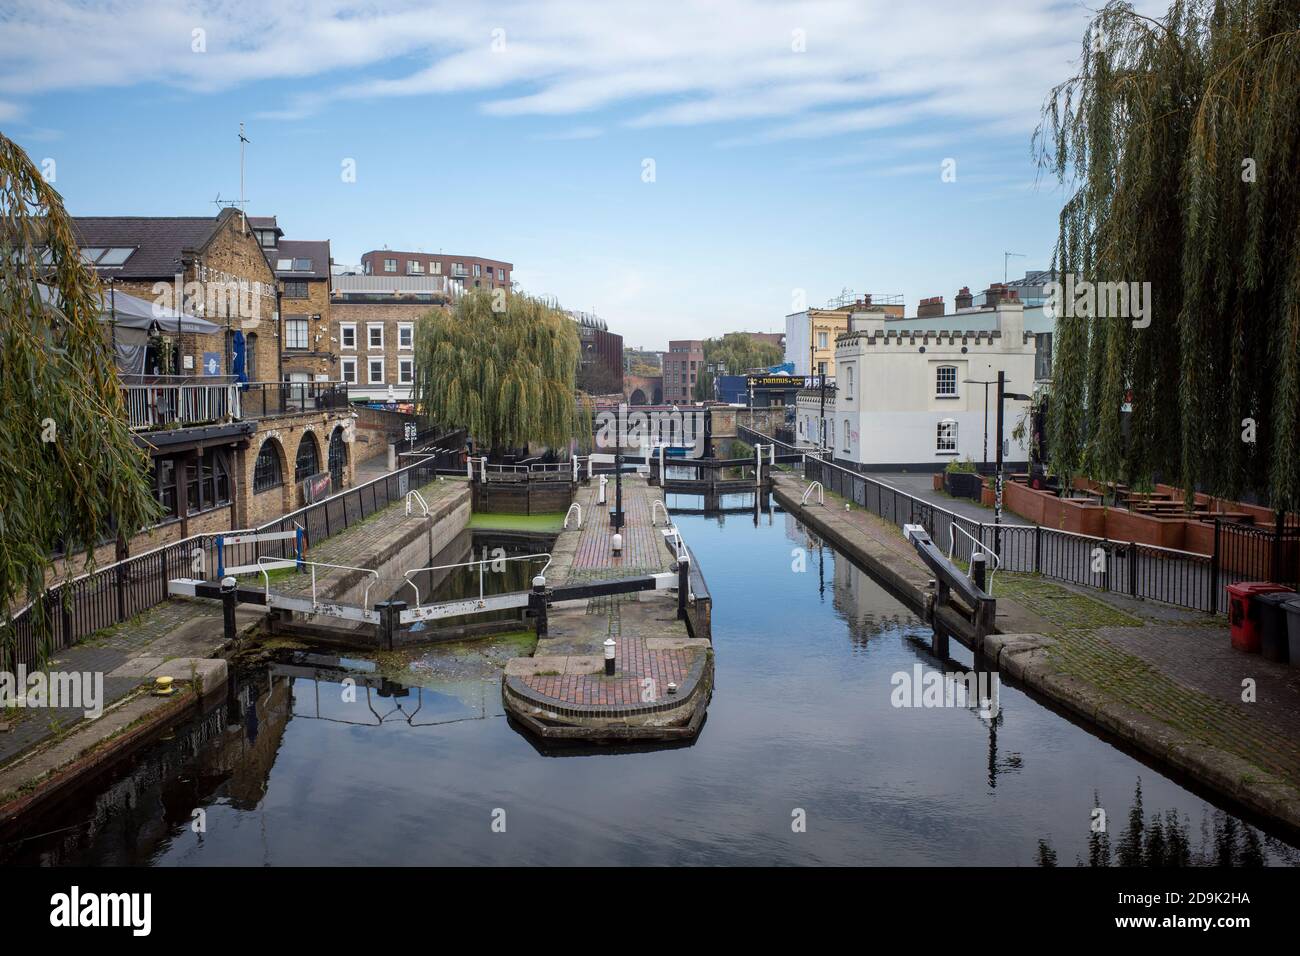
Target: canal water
(804,758)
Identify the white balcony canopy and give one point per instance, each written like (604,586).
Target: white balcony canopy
(133,320)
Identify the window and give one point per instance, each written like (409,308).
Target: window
(307,461)
(297,289)
(348,335)
(1043,357)
(848,375)
(946,381)
(375,334)
(501,274)
(846,434)
(302,265)
(478,270)
(338,459)
(164,484)
(458,269)
(405,335)
(250,357)
(266,470)
(414,267)
(946,442)
(115,257)
(207,482)
(390,265)
(348,370)
(405,371)
(435,267)
(283,265)
(295,333)
(822,340)
(821,368)
(376,371)
(266,238)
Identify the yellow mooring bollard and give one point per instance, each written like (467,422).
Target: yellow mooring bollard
(162,687)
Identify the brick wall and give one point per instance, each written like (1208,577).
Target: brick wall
(320,356)
(286,435)
(390,316)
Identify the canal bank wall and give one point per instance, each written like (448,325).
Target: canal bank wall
(1171,713)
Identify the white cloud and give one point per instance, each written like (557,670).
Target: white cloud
(864,66)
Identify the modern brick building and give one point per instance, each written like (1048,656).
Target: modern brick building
(468,272)
(600,368)
(682,363)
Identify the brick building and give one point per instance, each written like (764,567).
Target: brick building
(682,363)
(226,451)
(467,272)
(302,271)
(374,320)
(600,355)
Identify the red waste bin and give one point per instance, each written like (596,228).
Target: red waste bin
(1241,616)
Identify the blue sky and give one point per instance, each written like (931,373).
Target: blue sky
(796,146)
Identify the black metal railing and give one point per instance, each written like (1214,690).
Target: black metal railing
(268,399)
(1184,578)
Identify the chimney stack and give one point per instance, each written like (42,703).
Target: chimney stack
(964,298)
(930,307)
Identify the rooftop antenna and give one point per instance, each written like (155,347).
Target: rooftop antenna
(1005,257)
(242,140)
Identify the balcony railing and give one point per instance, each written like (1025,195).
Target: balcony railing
(176,402)
(162,402)
(267,399)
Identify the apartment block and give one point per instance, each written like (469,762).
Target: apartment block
(682,364)
(468,272)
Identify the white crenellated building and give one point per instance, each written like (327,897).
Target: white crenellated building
(904,394)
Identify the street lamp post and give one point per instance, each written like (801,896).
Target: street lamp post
(986,383)
(1003,394)
(616,519)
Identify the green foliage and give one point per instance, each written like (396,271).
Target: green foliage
(1178,144)
(508,376)
(737,352)
(961,467)
(69,468)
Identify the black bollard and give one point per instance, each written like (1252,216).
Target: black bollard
(229,599)
(978,570)
(537,604)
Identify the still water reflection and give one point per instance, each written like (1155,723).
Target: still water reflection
(801,720)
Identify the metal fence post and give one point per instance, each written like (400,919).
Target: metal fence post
(1212,599)
(1133,568)
(683,585)
(1038,549)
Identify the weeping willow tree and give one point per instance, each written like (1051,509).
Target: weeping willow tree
(1178,145)
(507,375)
(70,472)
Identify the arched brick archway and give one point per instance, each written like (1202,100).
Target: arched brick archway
(650,387)
(337,459)
(637,397)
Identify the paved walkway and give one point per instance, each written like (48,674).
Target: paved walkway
(1164,678)
(921,485)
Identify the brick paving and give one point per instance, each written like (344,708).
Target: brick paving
(633,621)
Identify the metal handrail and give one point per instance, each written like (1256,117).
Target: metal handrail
(981,549)
(570,511)
(470,564)
(413,493)
(821,494)
(266,577)
(657,503)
